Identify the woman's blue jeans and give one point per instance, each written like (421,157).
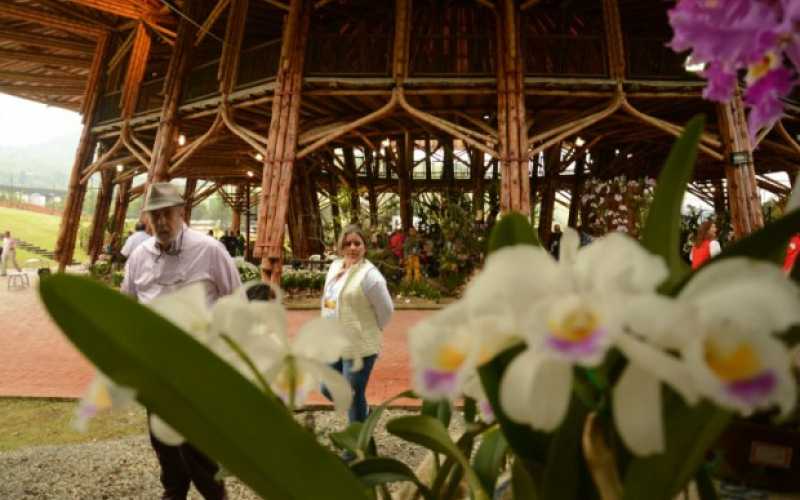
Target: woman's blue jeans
(359,409)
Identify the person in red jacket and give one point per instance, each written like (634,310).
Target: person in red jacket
(791,253)
(705,244)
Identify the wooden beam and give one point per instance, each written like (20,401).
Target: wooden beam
(210,20)
(145,10)
(43,90)
(40,58)
(14,76)
(30,14)
(50,42)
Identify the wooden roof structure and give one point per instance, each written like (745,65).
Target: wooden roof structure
(285,99)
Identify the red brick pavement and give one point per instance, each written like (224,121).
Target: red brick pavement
(37,360)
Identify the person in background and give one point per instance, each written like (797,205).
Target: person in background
(411,250)
(555,241)
(239,242)
(211,233)
(229,241)
(355,294)
(792,249)
(9,254)
(705,244)
(135,240)
(177,256)
(396,240)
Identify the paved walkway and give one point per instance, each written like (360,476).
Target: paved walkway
(37,360)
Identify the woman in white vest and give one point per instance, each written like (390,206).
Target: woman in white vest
(355,294)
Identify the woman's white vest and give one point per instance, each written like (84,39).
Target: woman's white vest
(356,314)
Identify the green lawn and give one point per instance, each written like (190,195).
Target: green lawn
(35,228)
(37,422)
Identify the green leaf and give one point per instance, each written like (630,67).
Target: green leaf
(661,233)
(490,457)
(368,428)
(522,482)
(562,474)
(512,229)
(526,443)
(348,439)
(430,433)
(690,431)
(377,471)
(215,407)
(705,487)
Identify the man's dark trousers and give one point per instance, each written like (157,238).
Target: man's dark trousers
(183,465)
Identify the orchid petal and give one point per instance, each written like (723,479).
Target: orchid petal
(568,246)
(337,385)
(187,309)
(667,368)
(322,339)
(536,390)
(637,409)
(616,263)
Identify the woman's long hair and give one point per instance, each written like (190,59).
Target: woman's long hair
(702,232)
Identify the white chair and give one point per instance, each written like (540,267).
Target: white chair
(18,281)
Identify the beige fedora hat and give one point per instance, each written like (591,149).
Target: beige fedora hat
(162,195)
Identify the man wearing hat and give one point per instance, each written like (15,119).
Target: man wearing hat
(176,256)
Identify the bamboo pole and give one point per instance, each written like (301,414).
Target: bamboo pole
(101,212)
(743,196)
(65,244)
(166,136)
(188,196)
(120,211)
(282,141)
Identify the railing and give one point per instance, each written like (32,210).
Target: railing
(108,107)
(259,63)
(201,81)
(348,55)
(564,55)
(649,58)
(458,54)
(151,96)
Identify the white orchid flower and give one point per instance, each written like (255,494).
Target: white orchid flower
(101,395)
(302,365)
(729,312)
(444,350)
(578,316)
(253,337)
(721,324)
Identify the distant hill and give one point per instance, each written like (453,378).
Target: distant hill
(45,164)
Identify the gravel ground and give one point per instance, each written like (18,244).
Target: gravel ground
(127,468)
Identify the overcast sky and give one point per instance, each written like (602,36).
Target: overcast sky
(28,122)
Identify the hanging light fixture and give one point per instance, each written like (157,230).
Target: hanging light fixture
(181,140)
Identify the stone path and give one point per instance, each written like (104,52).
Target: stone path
(37,360)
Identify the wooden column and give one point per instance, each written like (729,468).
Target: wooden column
(576,203)
(167,135)
(236,215)
(512,132)
(120,211)
(303,217)
(743,198)
(100,219)
(552,163)
(188,196)
(477,174)
(448,170)
(371,159)
(352,178)
(248,247)
(719,197)
(282,140)
(333,190)
(70,220)
(405,162)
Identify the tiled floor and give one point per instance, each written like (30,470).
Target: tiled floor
(37,360)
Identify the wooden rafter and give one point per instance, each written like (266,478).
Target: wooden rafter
(41,58)
(21,12)
(46,41)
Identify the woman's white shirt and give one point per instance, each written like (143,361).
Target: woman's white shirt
(373,285)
